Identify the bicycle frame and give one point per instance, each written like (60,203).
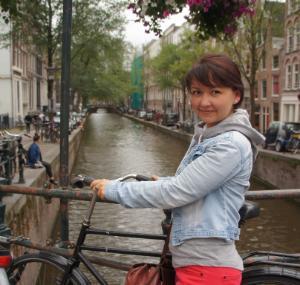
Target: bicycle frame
(77,256)
(86,230)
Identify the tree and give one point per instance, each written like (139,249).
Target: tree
(98,51)
(171,64)
(249,46)
(97,46)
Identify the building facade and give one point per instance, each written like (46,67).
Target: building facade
(290,101)
(23,80)
(168,100)
(268,91)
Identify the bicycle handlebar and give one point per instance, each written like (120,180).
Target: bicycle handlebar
(83,180)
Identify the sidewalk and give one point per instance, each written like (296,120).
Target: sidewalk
(48,150)
(35,177)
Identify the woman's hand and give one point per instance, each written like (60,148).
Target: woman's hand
(99,186)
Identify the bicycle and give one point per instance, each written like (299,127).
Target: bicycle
(260,267)
(294,142)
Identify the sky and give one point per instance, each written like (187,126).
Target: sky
(135,31)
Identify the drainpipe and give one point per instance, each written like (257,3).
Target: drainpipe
(64,115)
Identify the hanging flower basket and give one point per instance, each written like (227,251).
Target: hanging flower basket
(210,17)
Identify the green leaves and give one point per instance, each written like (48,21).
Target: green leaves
(98,50)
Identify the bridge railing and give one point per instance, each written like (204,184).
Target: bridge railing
(86,195)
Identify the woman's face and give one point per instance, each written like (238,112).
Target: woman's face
(212,104)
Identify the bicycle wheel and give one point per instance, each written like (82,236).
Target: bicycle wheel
(271,275)
(43,269)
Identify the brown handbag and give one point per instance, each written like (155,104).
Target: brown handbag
(153,274)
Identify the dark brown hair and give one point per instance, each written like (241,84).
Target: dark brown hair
(36,137)
(214,70)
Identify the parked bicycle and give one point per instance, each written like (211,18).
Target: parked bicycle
(8,151)
(294,142)
(64,268)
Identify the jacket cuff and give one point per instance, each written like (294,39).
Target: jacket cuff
(111,191)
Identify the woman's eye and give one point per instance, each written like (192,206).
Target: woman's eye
(196,92)
(215,92)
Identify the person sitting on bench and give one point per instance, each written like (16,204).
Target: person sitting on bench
(35,158)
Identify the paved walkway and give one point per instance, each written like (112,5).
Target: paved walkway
(35,177)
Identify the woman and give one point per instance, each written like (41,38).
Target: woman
(208,189)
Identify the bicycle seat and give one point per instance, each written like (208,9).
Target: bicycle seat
(248,211)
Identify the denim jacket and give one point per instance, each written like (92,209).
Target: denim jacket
(207,191)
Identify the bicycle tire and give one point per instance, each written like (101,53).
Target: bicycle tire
(47,263)
(274,275)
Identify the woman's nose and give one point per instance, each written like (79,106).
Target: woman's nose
(205,100)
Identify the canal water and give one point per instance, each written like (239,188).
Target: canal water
(113,146)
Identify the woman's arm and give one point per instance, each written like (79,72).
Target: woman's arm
(207,173)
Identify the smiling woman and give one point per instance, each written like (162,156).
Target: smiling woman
(209,186)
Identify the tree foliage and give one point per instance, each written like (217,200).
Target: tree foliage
(98,49)
(171,64)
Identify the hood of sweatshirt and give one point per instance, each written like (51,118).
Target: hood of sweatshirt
(238,121)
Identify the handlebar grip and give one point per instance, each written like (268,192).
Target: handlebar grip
(142,178)
(81,180)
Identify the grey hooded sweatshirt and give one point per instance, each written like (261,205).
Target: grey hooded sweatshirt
(214,251)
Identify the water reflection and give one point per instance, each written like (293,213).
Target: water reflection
(113,146)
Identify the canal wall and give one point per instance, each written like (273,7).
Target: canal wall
(33,216)
(276,170)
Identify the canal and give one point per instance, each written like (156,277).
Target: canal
(113,146)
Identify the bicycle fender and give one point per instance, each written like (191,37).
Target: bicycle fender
(64,262)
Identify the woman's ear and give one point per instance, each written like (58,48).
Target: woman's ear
(237,97)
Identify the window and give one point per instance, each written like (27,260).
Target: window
(275,111)
(256,89)
(18,96)
(257,116)
(275,61)
(289,112)
(297,35)
(264,60)
(264,88)
(296,76)
(290,39)
(288,77)
(275,85)
(39,66)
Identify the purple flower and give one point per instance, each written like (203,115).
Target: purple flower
(194,2)
(166,13)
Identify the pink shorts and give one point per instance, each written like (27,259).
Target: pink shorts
(207,275)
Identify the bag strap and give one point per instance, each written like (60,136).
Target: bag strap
(165,250)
